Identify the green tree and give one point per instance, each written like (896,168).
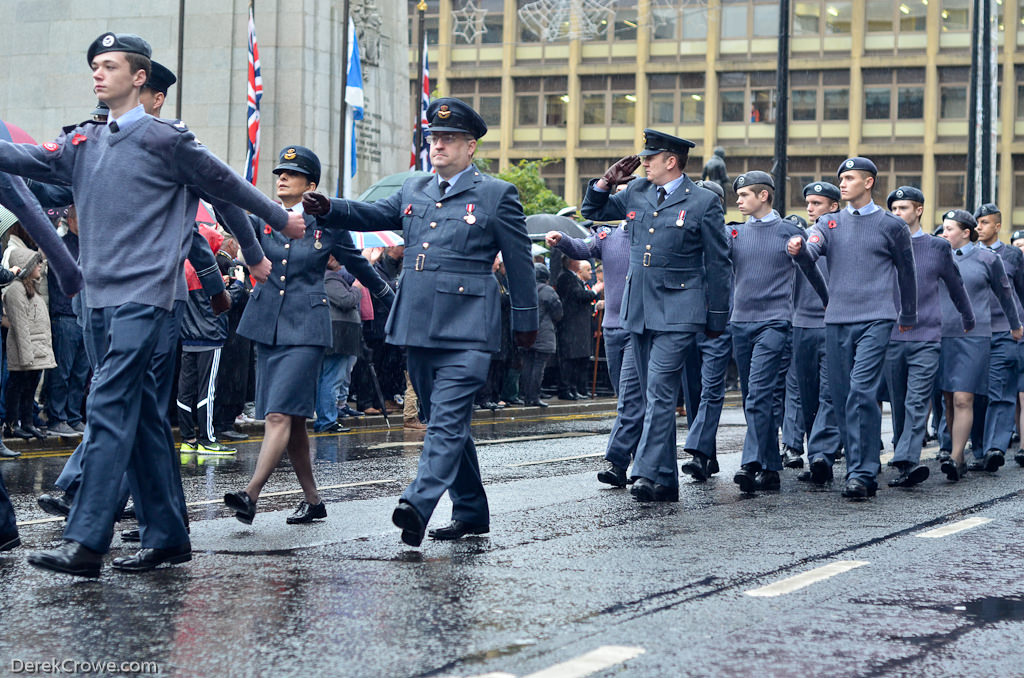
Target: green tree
(534,194)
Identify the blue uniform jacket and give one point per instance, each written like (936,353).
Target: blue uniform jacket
(679,269)
(291,309)
(447,296)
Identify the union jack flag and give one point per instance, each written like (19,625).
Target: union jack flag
(424,151)
(253,95)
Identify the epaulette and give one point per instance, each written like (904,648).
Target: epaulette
(69,128)
(178,125)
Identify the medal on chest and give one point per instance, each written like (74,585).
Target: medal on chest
(682,218)
(469,217)
(317,234)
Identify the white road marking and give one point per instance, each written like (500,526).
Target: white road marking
(552,461)
(953,528)
(591,662)
(804,579)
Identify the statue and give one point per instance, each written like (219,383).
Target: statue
(715,168)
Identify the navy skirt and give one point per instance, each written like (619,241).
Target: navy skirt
(286,378)
(964,364)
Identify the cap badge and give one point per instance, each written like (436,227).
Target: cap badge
(645,138)
(289,154)
(899,193)
(950,214)
(849,164)
(817,187)
(741,180)
(108,40)
(444,113)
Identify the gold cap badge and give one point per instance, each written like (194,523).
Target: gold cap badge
(289,154)
(443,112)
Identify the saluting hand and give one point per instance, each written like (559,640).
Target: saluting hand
(794,245)
(296,227)
(261,271)
(316,204)
(621,172)
(552,238)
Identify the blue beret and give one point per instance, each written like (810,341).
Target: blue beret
(449,114)
(753,177)
(986,209)
(101,109)
(857,163)
(711,186)
(962,217)
(796,219)
(118,42)
(824,189)
(904,193)
(656,142)
(160,78)
(299,159)
(1017,235)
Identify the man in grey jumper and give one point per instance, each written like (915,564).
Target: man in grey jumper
(129,178)
(869,253)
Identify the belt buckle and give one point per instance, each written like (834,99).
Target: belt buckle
(420,258)
(647,258)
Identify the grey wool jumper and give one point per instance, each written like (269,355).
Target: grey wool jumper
(134,208)
(982,272)
(765,274)
(933,258)
(808,311)
(868,256)
(1014,268)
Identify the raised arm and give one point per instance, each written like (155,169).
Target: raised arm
(717,266)
(355,263)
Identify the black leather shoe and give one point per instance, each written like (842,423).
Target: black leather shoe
(336,427)
(820,472)
(859,489)
(20,432)
(515,401)
(147,559)
(242,504)
(410,521)
(943,455)
(746,477)
(767,481)
(953,470)
(55,506)
(567,396)
(804,476)
(8,542)
(648,490)
(491,405)
(307,513)
(697,467)
(36,433)
(131,535)
(910,475)
(69,558)
(128,513)
(613,475)
(536,403)
(457,529)
(977,465)
(792,458)
(712,466)
(993,460)
(1019,457)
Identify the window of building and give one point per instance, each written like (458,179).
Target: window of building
(816,96)
(749,18)
(838,17)
(480,27)
(483,94)
(608,99)
(592,168)
(876,103)
(431,23)
(804,170)
(951,181)
(879,16)
(1018,181)
(883,86)
(913,15)
(953,92)
(679,21)
(540,101)
(910,104)
(807,18)
(553,174)
(955,15)
(676,98)
(747,97)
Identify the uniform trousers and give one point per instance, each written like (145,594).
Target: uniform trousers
(129,432)
(760,349)
(1002,394)
(8,524)
(615,341)
(703,430)
(629,411)
(812,379)
(910,369)
(691,384)
(793,427)
(446,382)
(66,383)
(856,361)
(197,388)
(660,357)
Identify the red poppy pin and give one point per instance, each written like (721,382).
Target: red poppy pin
(832,223)
(631,215)
(408,209)
(267,229)
(815,238)
(602,235)
(77,139)
(735,233)
(51,147)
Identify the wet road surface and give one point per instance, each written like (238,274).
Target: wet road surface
(575,578)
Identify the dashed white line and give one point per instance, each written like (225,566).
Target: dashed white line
(805,579)
(584,665)
(953,528)
(552,461)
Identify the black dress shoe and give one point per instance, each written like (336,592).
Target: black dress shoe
(515,401)
(697,467)
(859,489)
(792,458)
(746,477)
(648,490)
(954,471)
(242,504)
(943,455)
(406,517)
(536,403)
(977,465)
(457,529)
(567,396)
(36,433)
(336,427)
(820,472)
(232,434)
(993,460)
(147,559)
(8,542)
(767,481)
(128,513)
(69,558)
(8,453)
(307,513)
(131,535)
(613,475)
(804,476)
(583,396)
(20,432)
(712,466)
(1019,457)
(55,506)
(910,475)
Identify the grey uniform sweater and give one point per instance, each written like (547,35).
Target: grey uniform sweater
(982,272)
(130,189)
(808,311)
(933,259)
(1013,265)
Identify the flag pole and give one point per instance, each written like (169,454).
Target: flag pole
(344,106)
(418,141)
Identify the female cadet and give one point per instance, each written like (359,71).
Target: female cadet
(964,358)
(289,322)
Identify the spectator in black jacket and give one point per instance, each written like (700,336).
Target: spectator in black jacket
(236,356)
(536,357)
(343,295)
(575,336)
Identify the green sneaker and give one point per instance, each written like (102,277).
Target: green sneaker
(187,446)
(213,447)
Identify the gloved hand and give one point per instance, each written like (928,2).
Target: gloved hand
(622,171)
(526,339)
(316,204)
(220,302)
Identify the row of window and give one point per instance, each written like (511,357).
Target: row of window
(480,22)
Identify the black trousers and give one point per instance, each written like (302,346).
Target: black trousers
(573,375)
(533,373)
(21,390)
(232,382)
(197,385)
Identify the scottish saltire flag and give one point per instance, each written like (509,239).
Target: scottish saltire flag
(253,95)
(424,151)
(354,101)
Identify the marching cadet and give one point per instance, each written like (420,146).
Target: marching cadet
(965,355)
(129,306)
(762,314)
(819,415)
(289,322)
(1003,369)
(677,286)
(912,357)
(447,309)
(869,253)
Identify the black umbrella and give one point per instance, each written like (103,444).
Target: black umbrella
(539,224)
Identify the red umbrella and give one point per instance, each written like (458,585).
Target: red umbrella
(203,216)
(9,132)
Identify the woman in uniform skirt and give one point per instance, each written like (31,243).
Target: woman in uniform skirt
(288,320)
(963,370)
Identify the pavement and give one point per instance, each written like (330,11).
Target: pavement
(574,579)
